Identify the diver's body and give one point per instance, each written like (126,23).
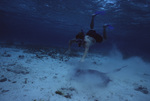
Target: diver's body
(89,39)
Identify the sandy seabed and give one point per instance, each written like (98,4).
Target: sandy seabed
(36,74)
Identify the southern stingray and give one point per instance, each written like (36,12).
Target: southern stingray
(93,77)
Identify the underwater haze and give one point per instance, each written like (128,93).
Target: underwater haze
(55,22)
(36,64)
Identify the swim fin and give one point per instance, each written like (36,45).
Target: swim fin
(99,12)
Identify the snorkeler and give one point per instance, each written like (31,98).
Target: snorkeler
(89,39)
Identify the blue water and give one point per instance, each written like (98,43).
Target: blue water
(55,22)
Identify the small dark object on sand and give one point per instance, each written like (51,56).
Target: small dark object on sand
(59,92)
(68,96)
(21,56)
(142,89)
(3,80)
(3,91)
(14,82)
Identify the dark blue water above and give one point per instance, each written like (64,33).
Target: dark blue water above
(57,21)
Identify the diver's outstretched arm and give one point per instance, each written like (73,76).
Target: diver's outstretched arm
(70,43)
(69,48)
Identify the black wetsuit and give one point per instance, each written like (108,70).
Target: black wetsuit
(80,38)
(93,34)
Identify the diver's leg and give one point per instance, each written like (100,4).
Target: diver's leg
(70,43)
(104,31)
(92,21)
